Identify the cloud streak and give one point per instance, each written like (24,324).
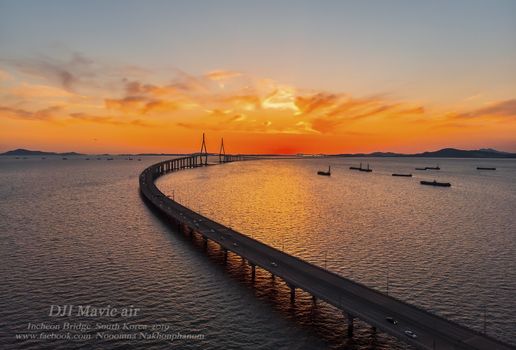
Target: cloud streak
(503,109)
(219,100)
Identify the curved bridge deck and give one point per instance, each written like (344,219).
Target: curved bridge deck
(352,298)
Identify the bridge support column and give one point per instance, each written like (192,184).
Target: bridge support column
(253,271)
(292,294)
(314,299)
(225,256)
(273,276)
(205,243)
(350,325)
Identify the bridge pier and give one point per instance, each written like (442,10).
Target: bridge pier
(253,272)
(314,299)
(205,243)
(292,294)
(350,325)
(273,276)
(225,256)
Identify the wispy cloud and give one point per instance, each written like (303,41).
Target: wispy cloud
(47,114)
(67,73)
(218,75)
(109,120)
(503,109)
(58,114)
(25,90)
(216,100)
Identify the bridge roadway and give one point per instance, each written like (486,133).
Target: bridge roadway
(353,299)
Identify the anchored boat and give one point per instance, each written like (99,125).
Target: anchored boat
(325,173)
(430,168)
(484,168)
(433,167)
(355,167)
(404,175)
(435,183)
(367,170)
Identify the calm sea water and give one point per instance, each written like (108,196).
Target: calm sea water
(76,232)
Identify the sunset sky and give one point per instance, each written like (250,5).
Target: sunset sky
(268,76)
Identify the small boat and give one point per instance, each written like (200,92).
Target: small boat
(485,168)
(433,167)
(420,168)
(435,183)
(404,175)
(109,159)
(367,170)
(87,159)
(325,173)
(355,167)
(139,160)
(64,158)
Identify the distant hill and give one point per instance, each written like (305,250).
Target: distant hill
(26,152)
(458,153)
(442,153)
(21,152)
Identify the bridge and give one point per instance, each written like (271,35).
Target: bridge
(355,300)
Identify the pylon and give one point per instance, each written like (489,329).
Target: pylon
(222,151)
(204,151)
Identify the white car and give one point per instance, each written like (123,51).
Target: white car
(410,334)
(273,264)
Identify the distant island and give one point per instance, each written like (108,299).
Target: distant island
(21,152)
(442,153)
(26,152)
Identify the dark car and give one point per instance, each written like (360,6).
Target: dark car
(391,320)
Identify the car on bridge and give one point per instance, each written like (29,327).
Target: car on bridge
(410,334)
(391,320)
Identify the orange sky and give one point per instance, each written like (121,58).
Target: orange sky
(270,77)
(131,110)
